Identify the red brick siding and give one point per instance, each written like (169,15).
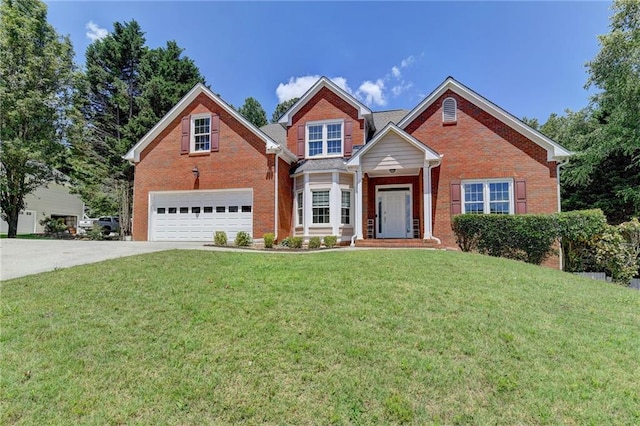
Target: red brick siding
(479,146)
(325,105)
(285,200)
(240,163)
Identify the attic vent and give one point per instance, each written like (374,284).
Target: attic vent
(449,110)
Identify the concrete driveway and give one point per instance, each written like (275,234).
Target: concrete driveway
(25,257)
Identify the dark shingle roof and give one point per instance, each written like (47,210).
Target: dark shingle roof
(382,118)
(275,132)
(320,164)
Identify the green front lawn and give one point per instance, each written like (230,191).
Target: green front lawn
(366,337)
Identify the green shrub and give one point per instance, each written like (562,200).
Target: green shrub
(286,242)
(296,242)
(579,232)
(529,238)
(96,233)
(53,226)
(269,238)
(220,238)
(243,239)
(330,241)
(618,251)
(314,242)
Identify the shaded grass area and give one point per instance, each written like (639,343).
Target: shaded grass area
(366,337)
(28,236)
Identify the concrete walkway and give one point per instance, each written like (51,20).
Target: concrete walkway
(25,257)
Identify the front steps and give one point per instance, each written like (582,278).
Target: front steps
(399,243)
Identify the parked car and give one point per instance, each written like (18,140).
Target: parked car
(86,222)
(109,224)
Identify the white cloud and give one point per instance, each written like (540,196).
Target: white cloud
(297,86)
(402,87)
(407,61)
(372,92)
(395,71)
(95,32)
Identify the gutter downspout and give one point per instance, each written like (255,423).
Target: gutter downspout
(276,178)
(433,237)
(558,165)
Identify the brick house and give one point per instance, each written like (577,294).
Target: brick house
(331,166)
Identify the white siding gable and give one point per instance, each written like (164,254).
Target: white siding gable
(392,152)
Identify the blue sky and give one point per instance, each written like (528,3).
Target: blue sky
(527,57)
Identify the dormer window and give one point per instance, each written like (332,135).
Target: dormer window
(449,110)
(325,139)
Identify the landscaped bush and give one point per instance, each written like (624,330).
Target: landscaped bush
(286,242)
(618,251)
(243,239)
(269,239)
(96,233)
(330,241)
(579,232)
(53,226)
(522,237)
(314,242)
(220,238)
(296,242)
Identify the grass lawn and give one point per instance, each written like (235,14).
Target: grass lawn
(27,236)
(366,337)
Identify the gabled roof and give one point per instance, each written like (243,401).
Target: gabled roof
(271,146)
(323,82)
(382,118)
(555,151)
(429,154)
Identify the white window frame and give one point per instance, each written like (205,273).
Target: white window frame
(193,132)
(486,193)
(455,110)
(325,149)
(321,224)
(350,192)
(299,208)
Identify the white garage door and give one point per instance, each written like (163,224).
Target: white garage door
(26,223)
(197,215)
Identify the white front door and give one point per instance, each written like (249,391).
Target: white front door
(394,214)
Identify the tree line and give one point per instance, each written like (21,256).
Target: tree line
(59,121)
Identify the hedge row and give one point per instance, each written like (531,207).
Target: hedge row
(530,237)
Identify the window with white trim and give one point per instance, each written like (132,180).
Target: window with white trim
(201,133)
(320,207)
(325,139)
(299,208)
(345,209)
(449,113)
(491,196)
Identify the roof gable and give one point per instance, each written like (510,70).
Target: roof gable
(363,111)
(271,146)
(555,151)
(429,154)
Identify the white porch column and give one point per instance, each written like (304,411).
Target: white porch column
(335,203)
(359,230)
(306,201)
(426,200)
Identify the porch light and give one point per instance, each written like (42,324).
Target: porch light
(196,172)
(392,171)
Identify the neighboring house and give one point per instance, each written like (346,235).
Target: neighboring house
(55,201)
(331,166)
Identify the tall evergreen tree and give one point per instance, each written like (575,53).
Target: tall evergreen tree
(36,80)
(253,111)
(129,88)
(281,108)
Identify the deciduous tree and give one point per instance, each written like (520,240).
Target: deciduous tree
(36,84)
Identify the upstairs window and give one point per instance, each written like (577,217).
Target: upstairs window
(489,196)
(325,139)
(449,108)
(201,134)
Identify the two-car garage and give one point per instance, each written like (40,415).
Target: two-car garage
(197,215)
